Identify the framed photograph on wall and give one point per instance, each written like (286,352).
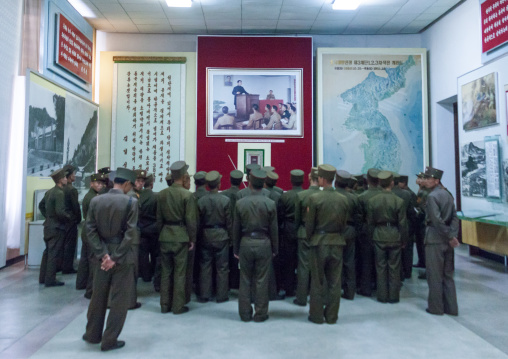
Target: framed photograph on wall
(262,102)
(479,102)
(372,109)
(254,156)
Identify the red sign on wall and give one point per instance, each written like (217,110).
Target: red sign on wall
(73,50)
(494,24)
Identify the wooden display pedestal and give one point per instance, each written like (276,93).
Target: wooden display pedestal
(486,236)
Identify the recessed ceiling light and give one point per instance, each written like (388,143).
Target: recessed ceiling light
(345,4)
(83,9)
(179,3)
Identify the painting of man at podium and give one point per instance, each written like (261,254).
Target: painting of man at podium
(247,102)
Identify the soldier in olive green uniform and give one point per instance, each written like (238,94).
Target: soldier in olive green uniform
(365,247)
(386,218)
(421,198)
(288,251)
(235,177)
(247,191)
(407,252)
(440,241)
(53,209)
(108,184)
(255,241)
(325,224)
(84,278)
(71,232)
(216,224)
(269,169)
(406,255)
(111,229)
(342,179)
(177,220)
(149,234)
(193,261)
(303,269)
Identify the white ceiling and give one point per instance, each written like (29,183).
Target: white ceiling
(214,17)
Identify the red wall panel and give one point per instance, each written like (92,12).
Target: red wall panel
(254,52)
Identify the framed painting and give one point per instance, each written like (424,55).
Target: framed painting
(372,109)
(479,102)
(254,156)
(262,102)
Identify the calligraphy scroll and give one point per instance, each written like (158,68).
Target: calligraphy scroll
(148,117)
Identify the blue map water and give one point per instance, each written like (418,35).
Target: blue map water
(384,147)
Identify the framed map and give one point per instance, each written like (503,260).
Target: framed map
(372,109)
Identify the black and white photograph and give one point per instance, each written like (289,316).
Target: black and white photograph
(472,165)
(258,103)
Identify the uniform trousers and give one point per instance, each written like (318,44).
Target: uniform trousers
(326,272)
(303,272)
(255,262)
(214,252)
(54,240)
(148,252)
(189,280)
(407,258)
(69,248)
(113,283)
(419,239)
(84,278)
(442,294)
(366,275)
(287,260)
(388,271)
(174,257)
(349,265)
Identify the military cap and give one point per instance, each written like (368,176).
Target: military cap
(58,174)
(258,177)
(268,169)
(251,167)
(141,174)
(271,178)
(199,178)
(212,178)
(178,169)
(433,173)
(360,179)
(385,178)
(351,182)
(104,170)
(236,174)
(420,175)
(169,177)
(403,179)
(372,173)
(69,169)
(149,180)
(314,173)
(126,174)
(326,171)
(98,177)
(342,177)
(395,175)
(297,175)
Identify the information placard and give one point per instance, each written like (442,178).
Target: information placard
(494,15)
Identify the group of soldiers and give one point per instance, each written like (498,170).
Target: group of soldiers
(343,235)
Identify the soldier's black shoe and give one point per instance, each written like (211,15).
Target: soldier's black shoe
(259,319)
(87,296)
(185,309)
(295,301)
(422,275)
(55,284)
(71,271)
(136,306)
(315,321)
(428,311)
(222,300)
(119,344)
(90,341)
(202,300)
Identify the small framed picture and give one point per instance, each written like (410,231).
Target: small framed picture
(255,156)
(227,80)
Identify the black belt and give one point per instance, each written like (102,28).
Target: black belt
(174,223)
(113,240)
(387,224)
(255,234)
(326,232)
(216,226)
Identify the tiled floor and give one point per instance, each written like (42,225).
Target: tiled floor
(43,322)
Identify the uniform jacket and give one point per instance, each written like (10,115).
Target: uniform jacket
(113,215)
(215,216)
(86,205)
(441,217)
(52,207)
(301,210)
(72,203)
(177,214)
(147,222)
(386,218)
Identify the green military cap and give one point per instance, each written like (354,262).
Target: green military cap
(58,174)
(104,170)
(212,178)
(403,179)
(98,177)
(178,169)
(271,178)
(297,175)
(396,175)
(69,169)
(149,180)
(433,173)
(342,177)
(351,182)
(126,174)
(372,173)
(141,174)
(268,169)
(326,171)
(252,166)
(258,177)
(199,178)
(385,178)
(236,174)
(314,173)
(420,175)
(359,178)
